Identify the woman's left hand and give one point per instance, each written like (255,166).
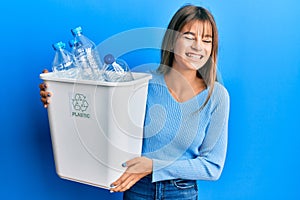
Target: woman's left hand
(137,168)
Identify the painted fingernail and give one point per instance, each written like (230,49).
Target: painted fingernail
(124,164)
(111,191)
(112,185)
(45,85)
(49,95)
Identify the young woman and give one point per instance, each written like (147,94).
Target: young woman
(185,132)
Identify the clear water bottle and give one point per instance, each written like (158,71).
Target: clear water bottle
(116,70)
(73,46)
(63,63)
(86,56)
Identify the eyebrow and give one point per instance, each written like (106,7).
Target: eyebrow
(193,34)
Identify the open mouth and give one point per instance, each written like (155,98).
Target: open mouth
(196,56)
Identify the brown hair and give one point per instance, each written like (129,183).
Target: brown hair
(183,16)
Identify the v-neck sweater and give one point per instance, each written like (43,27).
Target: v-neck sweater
(183,140)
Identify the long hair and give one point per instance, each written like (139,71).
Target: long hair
(183,16)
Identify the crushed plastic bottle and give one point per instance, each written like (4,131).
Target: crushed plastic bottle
(63,63)
(116,70)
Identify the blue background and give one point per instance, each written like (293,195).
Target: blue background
(259,61)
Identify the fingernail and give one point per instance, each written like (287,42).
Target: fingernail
(49,95)
(45,85)
(112,185)
(124,164)
(111,191)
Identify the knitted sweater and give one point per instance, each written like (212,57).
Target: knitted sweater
(182,140)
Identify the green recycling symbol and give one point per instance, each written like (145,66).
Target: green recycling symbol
(80,103)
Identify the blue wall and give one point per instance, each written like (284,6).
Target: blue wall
(259,60)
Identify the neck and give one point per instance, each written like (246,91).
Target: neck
(182,79)
(184,85)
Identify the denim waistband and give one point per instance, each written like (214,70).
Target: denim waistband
(174,189)
(149,178)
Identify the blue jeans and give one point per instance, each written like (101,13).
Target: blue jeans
(179,189)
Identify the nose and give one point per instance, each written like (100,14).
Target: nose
(197,45)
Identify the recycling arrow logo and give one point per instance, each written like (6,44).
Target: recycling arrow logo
(80,103)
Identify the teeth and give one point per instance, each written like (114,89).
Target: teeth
(194,55)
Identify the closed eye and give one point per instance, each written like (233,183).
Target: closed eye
(207,38)
(207,41)
(189,37)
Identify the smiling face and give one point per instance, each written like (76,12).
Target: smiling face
(193,46)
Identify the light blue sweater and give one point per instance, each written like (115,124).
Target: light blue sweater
(183,141)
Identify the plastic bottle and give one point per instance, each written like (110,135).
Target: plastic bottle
(116,70)
(86,56)
(63,63)
(72,44)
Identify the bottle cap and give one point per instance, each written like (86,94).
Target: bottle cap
(109,58)
(71,43)
(76,31)
(58,45)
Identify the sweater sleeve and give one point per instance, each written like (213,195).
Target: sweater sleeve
(208,165)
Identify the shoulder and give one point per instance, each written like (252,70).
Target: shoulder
(220,94)
(220,89)
(156,85)
(157,79)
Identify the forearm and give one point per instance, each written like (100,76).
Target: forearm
(192,169)
(206,166)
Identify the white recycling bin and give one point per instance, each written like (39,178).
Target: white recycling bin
(95,126)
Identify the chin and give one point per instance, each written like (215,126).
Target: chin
(197,66)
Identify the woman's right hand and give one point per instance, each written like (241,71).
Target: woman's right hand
(45,95)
